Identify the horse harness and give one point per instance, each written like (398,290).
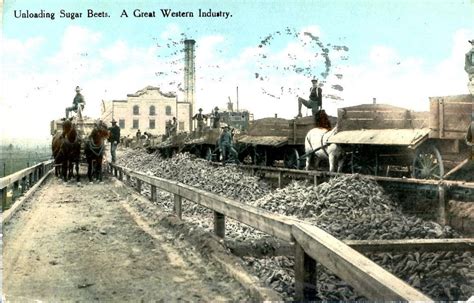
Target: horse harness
(323,145)
(96,149)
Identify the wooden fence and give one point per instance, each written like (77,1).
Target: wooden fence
(21,180)
(311,243)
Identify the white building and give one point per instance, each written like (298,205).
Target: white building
(147,110)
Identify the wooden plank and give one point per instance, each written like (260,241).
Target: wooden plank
(10,179)
(412,245)
(365,276)
(8,214)
(272,224)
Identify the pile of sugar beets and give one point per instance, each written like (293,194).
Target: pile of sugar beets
(348,207)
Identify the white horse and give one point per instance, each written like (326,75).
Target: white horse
(318,137)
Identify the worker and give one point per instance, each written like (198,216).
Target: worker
(225,145)
(315,101)
(470,132)
(216,117)
(76,102)
(114,139)
(173,127)
(199,117)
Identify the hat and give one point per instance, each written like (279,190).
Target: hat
(200,109)
(113,121)
(314,80)
(78,89)
(216,108)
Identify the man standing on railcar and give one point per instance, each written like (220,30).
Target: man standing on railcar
(315,101)
(216,117)
(199,117)
(225,144)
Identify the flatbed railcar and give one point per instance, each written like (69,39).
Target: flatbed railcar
(385,140)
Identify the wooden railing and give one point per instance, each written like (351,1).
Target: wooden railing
(21,180)
(311,243)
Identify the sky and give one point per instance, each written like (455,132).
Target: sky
(399,52)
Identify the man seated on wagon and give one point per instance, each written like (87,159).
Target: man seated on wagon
(78,101)
(315,101)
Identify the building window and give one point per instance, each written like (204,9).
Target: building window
(152,110)
(152,124)
(122,123)
(181,125)
(135,123)
(168,110)
(136,110)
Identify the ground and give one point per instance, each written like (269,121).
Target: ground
(89,243)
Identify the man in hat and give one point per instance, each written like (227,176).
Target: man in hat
(216,117)
(315,101)
(225,145)
(173,127)
(200,120)
(114,139)
(78,101)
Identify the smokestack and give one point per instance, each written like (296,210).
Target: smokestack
(189,76)
(237,98)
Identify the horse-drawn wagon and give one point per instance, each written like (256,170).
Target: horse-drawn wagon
(383,140)
(78,140)
(272,141)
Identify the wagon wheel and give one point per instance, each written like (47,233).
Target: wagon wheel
(292,159)
(427,163)
(362,163)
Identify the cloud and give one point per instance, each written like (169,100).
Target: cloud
(116,53)
(269,77)
(407,81)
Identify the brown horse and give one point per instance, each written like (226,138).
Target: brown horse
(94,150)
(66,147)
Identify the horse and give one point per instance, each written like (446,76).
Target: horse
(66,147)
(94,150)
(317,138)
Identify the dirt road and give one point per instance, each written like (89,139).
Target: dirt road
(87,243)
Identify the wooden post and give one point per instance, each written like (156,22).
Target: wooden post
(153,193)
(30,179)
(442,205)
(115,172)
(120,174)
(23,184)
(139,186)
(128,178)
(15,190)
(3,193)
(177,206)
(279,180)
(316,180)
(219,224)
(305,275)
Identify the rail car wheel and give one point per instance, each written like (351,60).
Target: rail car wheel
(427,163)
(362,163)
(292,159)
